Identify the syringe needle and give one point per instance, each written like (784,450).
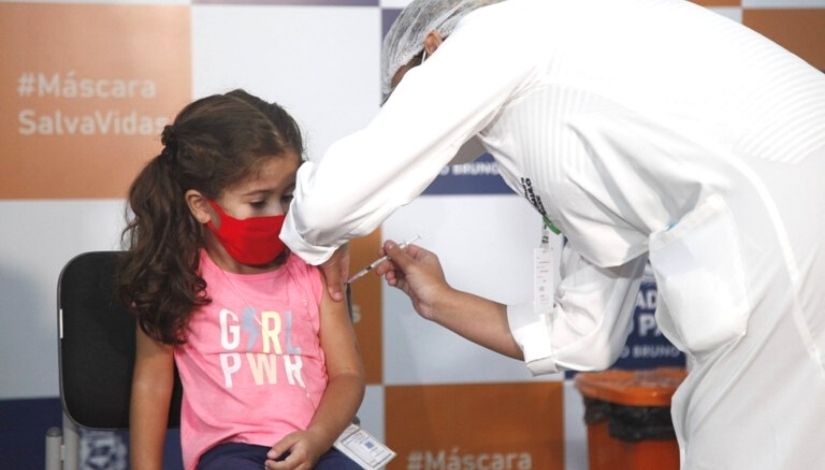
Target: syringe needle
(377,262)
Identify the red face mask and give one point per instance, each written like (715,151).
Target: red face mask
(252,241)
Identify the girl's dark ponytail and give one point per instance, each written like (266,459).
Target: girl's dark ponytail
(159,279)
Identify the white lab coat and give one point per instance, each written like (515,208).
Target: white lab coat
(643,129)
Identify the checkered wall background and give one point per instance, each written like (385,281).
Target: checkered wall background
(85,89)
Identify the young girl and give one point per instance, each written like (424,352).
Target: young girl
(268,362)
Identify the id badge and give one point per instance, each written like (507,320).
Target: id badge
(543,275)
(363,448)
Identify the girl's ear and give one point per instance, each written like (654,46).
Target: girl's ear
(198,206)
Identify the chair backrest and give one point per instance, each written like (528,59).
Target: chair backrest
(97,345)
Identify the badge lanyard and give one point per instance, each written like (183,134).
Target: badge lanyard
(548,224)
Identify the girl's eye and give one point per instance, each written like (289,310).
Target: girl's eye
(286,197)
(257,204)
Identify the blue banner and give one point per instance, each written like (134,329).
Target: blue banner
(646,346)
(477,177)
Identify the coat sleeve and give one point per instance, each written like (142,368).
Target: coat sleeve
(589,322)
(435,109)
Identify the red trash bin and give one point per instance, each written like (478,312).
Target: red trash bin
(628,418)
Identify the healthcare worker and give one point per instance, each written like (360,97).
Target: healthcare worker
(641,129)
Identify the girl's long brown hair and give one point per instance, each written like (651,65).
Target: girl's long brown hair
(214,142)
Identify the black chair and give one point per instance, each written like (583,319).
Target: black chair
(96,349)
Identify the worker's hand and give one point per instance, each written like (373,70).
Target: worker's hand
(296,451)
(336,272)
(418,273)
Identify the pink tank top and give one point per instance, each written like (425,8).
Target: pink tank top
(252,368)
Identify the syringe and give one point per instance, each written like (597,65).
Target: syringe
(380,260)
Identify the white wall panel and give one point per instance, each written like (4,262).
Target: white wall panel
(575,431)
(321,63)
(37,239)
(371,412)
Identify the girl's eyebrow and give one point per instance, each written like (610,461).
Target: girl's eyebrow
(267,191)
(258,192)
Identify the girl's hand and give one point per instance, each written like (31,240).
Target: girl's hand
(296,451)
(418,273)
